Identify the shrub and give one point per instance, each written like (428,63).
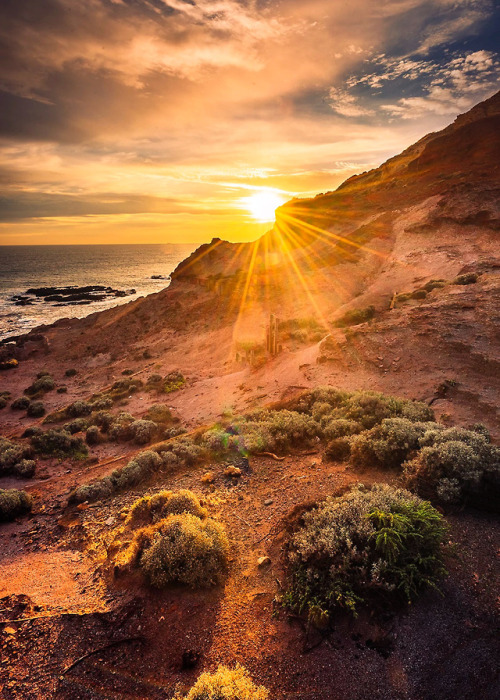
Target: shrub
(20,404)
(226,684)
(352,549)
(13,503)
(151,509)
(173,382)
(70,372)
(41,385)
(32,430)
(418,294)
(181,549)
(468,278)
(137,470)
(93,435)
(36,409)
(58,443)
(277,430)
(159,413)
(76,426)
(100,402)
(103,419)
(456,465)
(355,316)
(341,427)
(123,387)
(388,444)
(143,431)
(121,427)
(78,409)
(3,402)
(14,459)
(62,389)
(338,449)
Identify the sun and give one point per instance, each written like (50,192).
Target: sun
(263,204)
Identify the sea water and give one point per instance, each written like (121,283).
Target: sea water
(121,267)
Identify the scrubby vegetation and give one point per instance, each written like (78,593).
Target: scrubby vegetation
(58,443)
(15,459)
(226,684)
(173,382)
(13,503)
(355,316)
(20,404)
(4,398)
(148,510)
(362,547)
(36,409)
(455,465)
(174,541)
(41,385)
(181,549)
(468,278)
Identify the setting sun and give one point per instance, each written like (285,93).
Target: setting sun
(262,205)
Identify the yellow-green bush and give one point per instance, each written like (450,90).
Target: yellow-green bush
(150,509)
(181,549)
(226,684)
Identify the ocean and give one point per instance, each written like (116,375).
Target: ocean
(122,267)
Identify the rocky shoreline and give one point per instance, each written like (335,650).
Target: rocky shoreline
(68,296)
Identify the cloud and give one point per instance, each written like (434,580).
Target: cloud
(160,102)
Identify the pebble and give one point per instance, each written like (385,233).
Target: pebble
(268,502)
(263,561)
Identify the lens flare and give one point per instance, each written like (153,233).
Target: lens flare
(263,204)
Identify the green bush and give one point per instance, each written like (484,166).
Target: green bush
(340,427)
(173,382)
(104,420)
(58,443)
(388,444)
(136,471)
(149,510)
(455,465)
(20,404)
(181,549)
(76,426)
(78,409)
(159,413)
(41,385)
(143,431)
(15,459)
(93,435)
(36,409)
(121,427)
(14,503)
(361,547)
(226,684)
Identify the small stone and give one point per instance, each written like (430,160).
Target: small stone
(268,502)
(208,478)
(232,471)
(10,630)
(263,561)
(109,521)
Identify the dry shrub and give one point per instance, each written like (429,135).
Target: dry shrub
(181,549)
(13,503)
(226,684)
(150,509)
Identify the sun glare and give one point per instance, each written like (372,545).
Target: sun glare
(263,204)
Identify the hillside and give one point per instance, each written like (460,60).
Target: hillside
(391,283)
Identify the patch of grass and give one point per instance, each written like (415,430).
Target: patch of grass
(14,503)
(226,684)
(362,547)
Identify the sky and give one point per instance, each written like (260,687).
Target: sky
(160,121)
